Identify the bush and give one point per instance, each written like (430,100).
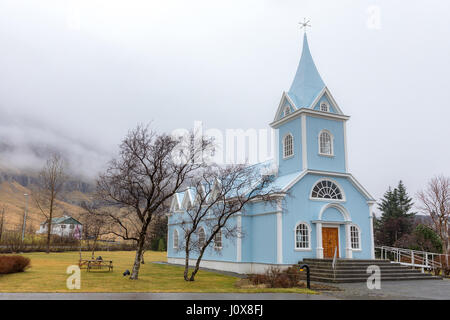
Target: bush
(276,278)
(12,264)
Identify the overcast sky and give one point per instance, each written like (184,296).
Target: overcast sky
(80,74)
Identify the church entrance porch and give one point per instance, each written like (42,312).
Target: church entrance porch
(330,241)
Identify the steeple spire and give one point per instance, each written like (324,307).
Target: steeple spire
(307,82)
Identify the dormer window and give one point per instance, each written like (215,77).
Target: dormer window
(287,110)
(288,146)
(324,107)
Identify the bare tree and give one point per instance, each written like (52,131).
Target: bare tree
(2,221)
(220,193)
(95,222)
(50,181)
(435,202)
(150,169)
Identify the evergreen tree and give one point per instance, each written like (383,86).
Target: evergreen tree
(396,219)
(161,245)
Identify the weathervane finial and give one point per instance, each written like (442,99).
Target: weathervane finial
(305,24)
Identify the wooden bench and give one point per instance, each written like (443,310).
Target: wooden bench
(96,265)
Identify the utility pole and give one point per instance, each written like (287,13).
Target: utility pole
(25,217)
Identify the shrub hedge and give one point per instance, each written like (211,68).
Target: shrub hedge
(12,264)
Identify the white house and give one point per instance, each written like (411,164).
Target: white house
(64,226)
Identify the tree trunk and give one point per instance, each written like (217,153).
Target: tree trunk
(186,259)
(137,259)
(49,231)
(142,256)
(93,247)
(197,264)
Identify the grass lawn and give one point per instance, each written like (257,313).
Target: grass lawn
(48,274)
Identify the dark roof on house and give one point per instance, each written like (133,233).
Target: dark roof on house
(64,220)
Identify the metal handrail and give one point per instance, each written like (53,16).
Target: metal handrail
(418,259)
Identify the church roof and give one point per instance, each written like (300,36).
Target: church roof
(307,84)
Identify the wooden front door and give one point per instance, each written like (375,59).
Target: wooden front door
(330,242)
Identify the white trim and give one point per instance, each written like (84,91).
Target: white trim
(309,236)
(284,97)
(372,240)
(348,244)
(330,97)
(239,239)
(331,142)
(187,197)
(304,143)
(327,106)
(359,237)
(324,199)
(175,244)
(276,136)
(283,142)
(237,267)
(175,205)
(319,242)
(314,113)
(352,179)
(221,241)
(279,233)
(345,146)
(337,206)
(344,175)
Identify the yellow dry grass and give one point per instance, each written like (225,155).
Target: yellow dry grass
(48,274)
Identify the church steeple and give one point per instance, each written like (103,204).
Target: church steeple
(307,82)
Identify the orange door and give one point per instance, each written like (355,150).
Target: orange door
(330,242)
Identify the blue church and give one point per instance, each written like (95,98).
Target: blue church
(327,213)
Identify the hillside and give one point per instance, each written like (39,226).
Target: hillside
(12,199)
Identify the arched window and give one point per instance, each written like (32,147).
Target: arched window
(218,240)
(302,236)
(288,146)
(325,143)
(324,107)
(201,237)
(175,239)
(355,237)
(326,189)
(287,110)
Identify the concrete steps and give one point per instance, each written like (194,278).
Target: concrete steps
(354,270)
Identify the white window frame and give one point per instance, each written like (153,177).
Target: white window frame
(326,105)
(201,229)
(358,229)
(288,109)
(175,243)
(331,154)
(326,199)
(215,243)
(309,237)
(284,146)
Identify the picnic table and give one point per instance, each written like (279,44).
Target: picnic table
(91,264)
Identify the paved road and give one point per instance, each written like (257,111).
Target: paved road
(395,290)
(162,296)
(390,290)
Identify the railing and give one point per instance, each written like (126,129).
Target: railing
(414,258)
(333,265)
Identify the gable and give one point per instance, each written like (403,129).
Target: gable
(325,97)
(341,178)
(324,100)
(285,102)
